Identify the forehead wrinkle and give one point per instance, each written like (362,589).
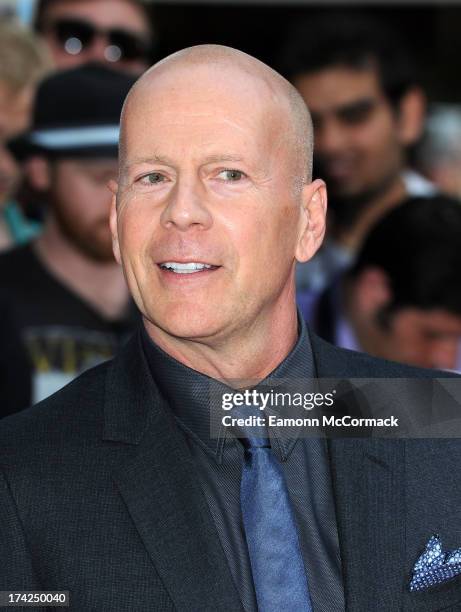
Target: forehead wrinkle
(137,108)
(240,123)
(210,148)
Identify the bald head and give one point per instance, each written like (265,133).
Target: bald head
(285,107)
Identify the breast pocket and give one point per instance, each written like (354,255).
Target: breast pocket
(444,597)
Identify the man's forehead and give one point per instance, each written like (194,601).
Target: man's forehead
(201,146)
(204,107)
(338,86)
(200,85)
(104,13)
(224,114)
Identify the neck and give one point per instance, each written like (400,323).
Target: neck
(378,205)
(101,284)
(249,355)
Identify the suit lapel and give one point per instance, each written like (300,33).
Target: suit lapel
(368,477)
(369,490)
(161,491)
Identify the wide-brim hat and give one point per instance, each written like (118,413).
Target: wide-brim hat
(76,114)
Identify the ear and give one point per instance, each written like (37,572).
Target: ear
(313,220)
(38,172)
(372,291)
(412,111)
(113,186)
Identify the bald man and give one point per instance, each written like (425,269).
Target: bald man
(134,488)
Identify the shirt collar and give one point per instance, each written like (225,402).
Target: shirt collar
(187,392)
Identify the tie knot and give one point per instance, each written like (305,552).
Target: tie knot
(252,442)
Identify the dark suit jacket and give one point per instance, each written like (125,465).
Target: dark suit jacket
(99,496)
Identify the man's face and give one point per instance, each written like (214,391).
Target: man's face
(81,202)
(429,339)
(206,178)
(15,112)
(358,145)
(66,33)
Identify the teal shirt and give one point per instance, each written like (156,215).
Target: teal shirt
(21,229)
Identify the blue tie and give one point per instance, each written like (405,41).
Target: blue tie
(273,544)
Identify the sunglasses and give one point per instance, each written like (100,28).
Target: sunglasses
(75,35)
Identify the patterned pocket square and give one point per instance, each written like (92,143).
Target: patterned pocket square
(434,566)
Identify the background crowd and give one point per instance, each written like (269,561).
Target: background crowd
(387,279)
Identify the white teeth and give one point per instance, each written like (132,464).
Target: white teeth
(185,268)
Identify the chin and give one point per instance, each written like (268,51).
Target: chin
(188,321)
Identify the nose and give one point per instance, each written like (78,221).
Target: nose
(97,50)
(186,208)
(444,353)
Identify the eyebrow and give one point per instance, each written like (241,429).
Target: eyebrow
(210,159)
(167,161)
(152,159)
(361,105)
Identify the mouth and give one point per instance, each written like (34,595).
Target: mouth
(190,267)
(340,170)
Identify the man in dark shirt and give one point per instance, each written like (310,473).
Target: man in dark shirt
(118,489)
(64,289)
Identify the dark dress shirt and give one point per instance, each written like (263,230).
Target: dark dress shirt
(220,460)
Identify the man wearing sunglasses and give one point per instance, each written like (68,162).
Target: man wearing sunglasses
(114,32)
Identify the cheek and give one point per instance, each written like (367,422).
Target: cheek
(83,201)
(60,57)
(264,243)
(282,228)
(380,137)
(66,193)
(138,225)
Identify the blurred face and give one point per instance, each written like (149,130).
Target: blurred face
(429,339)
(15,112)
(358,146)
(208,220)
(113,32)
(81,203)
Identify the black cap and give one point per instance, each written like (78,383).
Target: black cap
(76,114)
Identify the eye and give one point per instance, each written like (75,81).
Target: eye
(153,178)
(357,113)
(231,175)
